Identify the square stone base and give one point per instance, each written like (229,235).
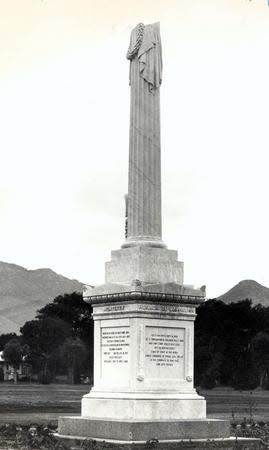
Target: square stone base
(142,407)
(147,264)
(142,431)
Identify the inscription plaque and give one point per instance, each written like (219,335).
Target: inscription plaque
(115,344)
(164,352)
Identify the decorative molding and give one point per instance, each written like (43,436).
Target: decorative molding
(148,296)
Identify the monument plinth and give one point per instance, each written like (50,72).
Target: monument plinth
(143,314)
(144,359)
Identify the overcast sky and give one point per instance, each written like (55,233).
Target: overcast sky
(64,112)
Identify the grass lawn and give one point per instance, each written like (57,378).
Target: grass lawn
(222,402)
(35,403)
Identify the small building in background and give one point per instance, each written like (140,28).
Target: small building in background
(7,370)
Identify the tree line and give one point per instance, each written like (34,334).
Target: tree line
(231,343)
(58,341)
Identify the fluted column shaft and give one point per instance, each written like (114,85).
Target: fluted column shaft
(144,189)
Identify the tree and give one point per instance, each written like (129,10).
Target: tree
(260,354)
(74,311)
(223,335)
(5,338)
(68,316)
(74,352)
(44,336)
(13,355)
(210,343)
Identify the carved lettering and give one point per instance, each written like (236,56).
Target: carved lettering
(164,353)
(167,308)
(114,308)
(115,345)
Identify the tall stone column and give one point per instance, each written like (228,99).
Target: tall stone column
(144,189)
(143,255)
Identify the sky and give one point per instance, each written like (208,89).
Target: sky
(64,114)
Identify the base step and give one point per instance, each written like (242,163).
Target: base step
(142,431)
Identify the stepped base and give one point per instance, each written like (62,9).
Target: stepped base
(142,431)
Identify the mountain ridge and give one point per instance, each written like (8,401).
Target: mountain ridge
(247,289)
(24,291)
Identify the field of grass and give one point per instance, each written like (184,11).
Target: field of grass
(34,403)
(228,404)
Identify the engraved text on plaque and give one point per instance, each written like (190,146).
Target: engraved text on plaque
(115,344)
(164,352)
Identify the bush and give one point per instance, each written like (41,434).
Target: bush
(24,379)
(45,378)
(245,381)
(208,380)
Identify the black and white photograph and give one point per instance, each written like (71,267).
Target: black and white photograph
(134,224)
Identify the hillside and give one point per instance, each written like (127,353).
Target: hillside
(23,292)
(247,289)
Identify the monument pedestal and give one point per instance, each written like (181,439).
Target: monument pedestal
(143,363)
(143,372)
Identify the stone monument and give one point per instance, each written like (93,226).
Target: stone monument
(143,314)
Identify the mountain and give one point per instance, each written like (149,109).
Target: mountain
(23,292)
(247,289)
